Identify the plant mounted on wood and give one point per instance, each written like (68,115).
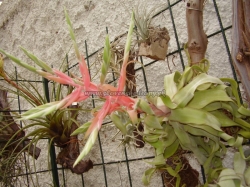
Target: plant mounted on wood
(117,51)
(57,126)
(153,40)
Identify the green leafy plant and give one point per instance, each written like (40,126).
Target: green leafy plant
(236,177)
(191,116)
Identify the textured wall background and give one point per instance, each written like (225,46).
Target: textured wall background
(40,27)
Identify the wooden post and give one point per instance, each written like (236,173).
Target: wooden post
(197,39)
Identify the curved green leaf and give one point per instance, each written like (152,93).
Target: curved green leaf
(152,122)
(234,87)
(89,144)
(170,85)
(118,123)
(244,111)
(187,143)
(205,97)
(147,176)
(81,129)
(185,78)
(167,102)
(186,93)
(224,120)
(171,150)
(194,116)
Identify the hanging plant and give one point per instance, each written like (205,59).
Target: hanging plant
(153,41)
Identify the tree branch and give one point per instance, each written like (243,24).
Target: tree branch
(197,39)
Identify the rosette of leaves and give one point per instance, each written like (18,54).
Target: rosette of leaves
(54,111)
(56,126)
(191,117)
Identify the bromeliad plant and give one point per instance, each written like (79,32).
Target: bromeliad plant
(56,126)
(83,87)
(191,115)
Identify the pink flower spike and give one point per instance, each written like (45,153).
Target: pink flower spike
(50,76)
(125,101)
(73,97)
(122,79)
(56,79)
(98,119)
(63,76)
(82,97)
(114,107)
(85,73)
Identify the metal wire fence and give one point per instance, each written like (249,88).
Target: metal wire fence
(103,166)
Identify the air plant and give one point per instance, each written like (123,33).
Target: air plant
(153,40)
(143,23)
(83,88)
(57,126)
(189,117)
(116,59)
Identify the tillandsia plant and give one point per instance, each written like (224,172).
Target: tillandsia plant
(192,116)
(117,51)
(57,126)
(203,114)
(115,100)
(153,40)
(188,117)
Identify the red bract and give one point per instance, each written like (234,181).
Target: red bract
(85,87)
(98,119)
(85,73)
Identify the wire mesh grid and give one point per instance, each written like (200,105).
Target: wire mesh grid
(125,175)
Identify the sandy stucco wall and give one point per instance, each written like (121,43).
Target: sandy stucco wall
(40,27)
